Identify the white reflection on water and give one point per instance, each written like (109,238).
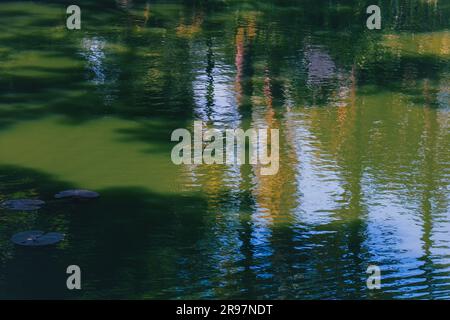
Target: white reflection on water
(214,95)
(102,74)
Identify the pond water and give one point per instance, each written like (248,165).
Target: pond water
(364,148)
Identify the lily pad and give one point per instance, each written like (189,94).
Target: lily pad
(78,194)
(22,204)
(36,238)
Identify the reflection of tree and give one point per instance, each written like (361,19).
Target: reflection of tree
(189,30)
(344,134)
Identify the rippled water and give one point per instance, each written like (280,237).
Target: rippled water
(364,158)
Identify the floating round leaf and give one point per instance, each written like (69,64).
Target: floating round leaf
(84,194)
(22,204)
(35,238)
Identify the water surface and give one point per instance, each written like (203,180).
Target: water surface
(364,164)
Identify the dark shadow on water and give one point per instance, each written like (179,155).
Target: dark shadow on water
(123,242)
